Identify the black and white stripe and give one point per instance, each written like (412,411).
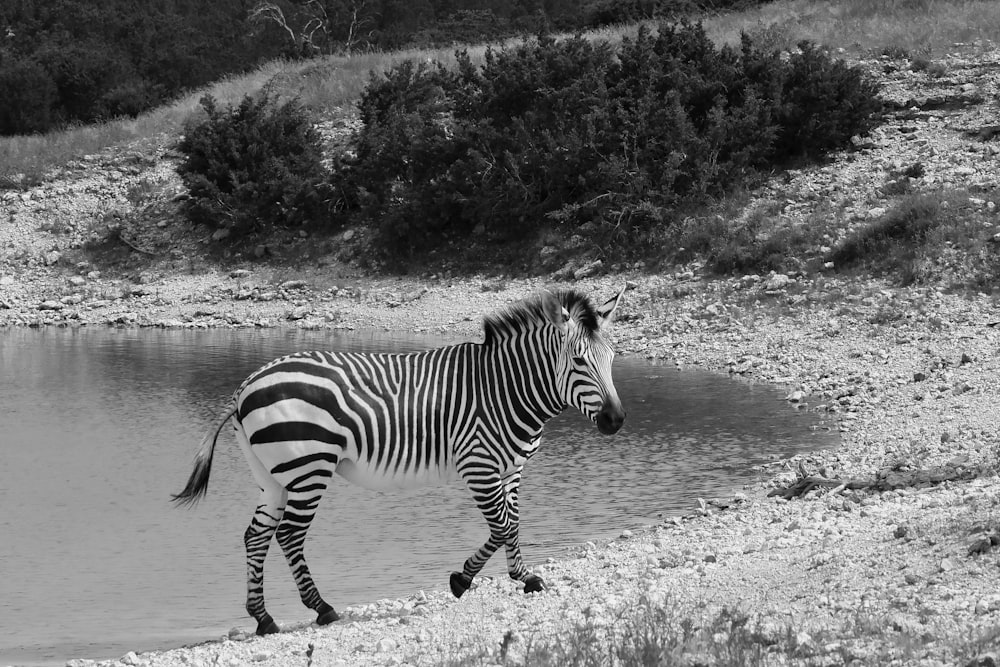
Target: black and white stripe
(473,411)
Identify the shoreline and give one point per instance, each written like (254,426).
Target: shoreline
(804,562)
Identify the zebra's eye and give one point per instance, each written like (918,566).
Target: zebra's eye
(579,361)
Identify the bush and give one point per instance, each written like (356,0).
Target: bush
(585,135)
(27,97)
(825,103)
(895,237)
(253,167)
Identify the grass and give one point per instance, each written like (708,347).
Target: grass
(866,27)
(665,634)
(929,236)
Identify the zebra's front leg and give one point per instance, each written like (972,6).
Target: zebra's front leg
(515,565)
(494,501)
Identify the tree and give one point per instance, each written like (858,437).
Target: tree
(303,41)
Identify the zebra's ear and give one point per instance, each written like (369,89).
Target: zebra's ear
(606,311)
(554,311)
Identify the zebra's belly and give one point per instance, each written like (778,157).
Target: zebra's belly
(380,479)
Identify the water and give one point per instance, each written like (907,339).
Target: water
(100,426)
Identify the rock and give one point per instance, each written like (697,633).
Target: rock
(980,546)
(298,313)
(50,305)
(547,251)
(385,645)
(77,281)
(347,235)
(947,565)
(777,281)
(588,270)
(239,273)
(52,257)
(919,376)
(988,604)
(292,284)
(130,658)
(966,359)
(876,212)
(990,659)
(260,251)
(961,388)
(220,234)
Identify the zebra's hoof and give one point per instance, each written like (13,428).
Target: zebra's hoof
(327,616)
(534,584)
(267,626)
(460,582)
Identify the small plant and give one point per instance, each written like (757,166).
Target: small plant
(253,167)
(894,52)
(895,236)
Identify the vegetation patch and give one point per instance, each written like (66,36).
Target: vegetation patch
(945,235)
(254,166)
(663,632)
(606,142)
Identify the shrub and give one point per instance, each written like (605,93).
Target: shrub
(27,97)
(253,167)
(824,103)
(895,236)
(574,132)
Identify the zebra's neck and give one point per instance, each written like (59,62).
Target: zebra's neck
(519,374)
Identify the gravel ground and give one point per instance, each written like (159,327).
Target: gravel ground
(901,572)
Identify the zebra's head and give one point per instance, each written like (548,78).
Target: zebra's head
(583,367)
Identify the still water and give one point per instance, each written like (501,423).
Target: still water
(99,427)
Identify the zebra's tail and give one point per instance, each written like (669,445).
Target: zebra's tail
(197,483)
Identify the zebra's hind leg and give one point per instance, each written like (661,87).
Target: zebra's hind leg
(301,509)
(257,539)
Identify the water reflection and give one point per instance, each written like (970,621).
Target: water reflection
(101,426)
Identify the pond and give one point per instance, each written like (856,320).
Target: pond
(100,426)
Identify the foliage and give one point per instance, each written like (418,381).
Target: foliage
(253,167)
(610,140)
(944,236)
(900,230)
(825,102)
(117,57)
(28,95)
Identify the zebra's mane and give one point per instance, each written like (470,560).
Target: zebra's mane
(527,315)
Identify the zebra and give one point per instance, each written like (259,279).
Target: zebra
(471,411)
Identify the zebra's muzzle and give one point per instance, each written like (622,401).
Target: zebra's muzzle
(610,418)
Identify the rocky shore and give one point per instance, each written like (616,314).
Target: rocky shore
(882,551)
